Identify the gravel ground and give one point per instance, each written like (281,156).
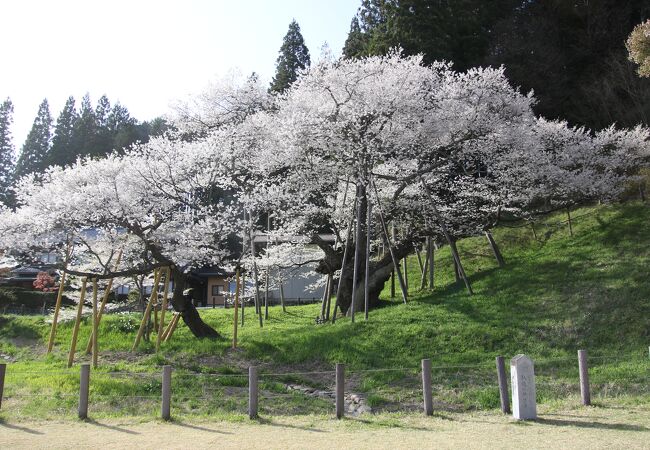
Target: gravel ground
(593,427)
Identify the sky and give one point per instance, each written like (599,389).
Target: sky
(146,54)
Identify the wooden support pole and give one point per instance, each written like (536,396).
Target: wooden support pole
(450,241)
(392,275)
(406,274)
(161,325)
(173,326)
(236,319)
(503,385)
(366,283)
(59,297)
(168,327)
(345,260)
(84,385)
(166,392)
(284,306)
(3,371)
(425,268)
(495,249)
(420,262)
(432,261)
(330,288)
(390,247)
(107,292)
(77,322)
(340,390)
(427,391)
(253,393)
(568,213)
(584,377)
(243,296)
(357,256)
(147,311)
(95,324)
(268,268)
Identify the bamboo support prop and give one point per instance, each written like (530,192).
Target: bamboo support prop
(366,291)
(107,292)
(95,324)
(147,311)
(390,246)
(168,327)
(59,297)
(161,325)
(236,319)
(75,331)
(452,247)
(425,268)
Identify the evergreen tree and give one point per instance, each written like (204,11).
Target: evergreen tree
(84,135)
(34,156)
(356,43)
(104,135)
(294,56)
(62,152)
(6,153)
(123,128)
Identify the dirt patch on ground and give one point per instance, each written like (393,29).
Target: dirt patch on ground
(600,427)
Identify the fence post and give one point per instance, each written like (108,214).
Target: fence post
(252,392)
(584,377)
(3,370)
(426,387)
(166,392)
(84,384)
(340,388)
(503,385)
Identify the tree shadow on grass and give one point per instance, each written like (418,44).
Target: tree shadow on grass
(599,425)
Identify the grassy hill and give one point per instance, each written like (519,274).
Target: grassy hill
(558,293)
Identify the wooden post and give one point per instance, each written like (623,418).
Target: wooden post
(568,213)
(166,392)
(584,377)
(419,256)
(390,247)
(426,387)
(495,249)
(345,260)
(59,297)
(95,324)
(357,255)
(168,327)
(173,326)
(432,261)
(147,311)
(406,274)
(284,306)
(3,371)
(450,241)
(268,268)
(75,331)
(392,275)
(366,283)
(236,319)
(330,287)
(340,389)
(252,392)
(503,385)
(107,292)
(84,385)
(243,296)
(425,268)
(168,274)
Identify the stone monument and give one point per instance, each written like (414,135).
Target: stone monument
(522,377)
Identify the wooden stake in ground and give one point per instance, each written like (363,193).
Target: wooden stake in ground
(450,241)
(390,246)
(172,326)
(107,292)
(95,324)
(168,274)
(236,319)
(75,331)
(147,311)
(59,296)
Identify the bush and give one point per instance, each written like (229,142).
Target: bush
(17,297)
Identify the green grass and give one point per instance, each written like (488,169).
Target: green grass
(557,294)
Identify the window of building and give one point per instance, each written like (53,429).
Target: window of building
(217,290)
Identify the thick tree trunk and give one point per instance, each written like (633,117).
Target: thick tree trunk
(187,310)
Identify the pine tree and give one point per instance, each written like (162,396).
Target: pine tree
(294,56)
(34,155)
(104,136)
(62,152)
(6,153)
(356,42)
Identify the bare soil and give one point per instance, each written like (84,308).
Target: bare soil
(592,427)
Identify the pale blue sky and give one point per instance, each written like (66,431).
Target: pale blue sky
(147,53)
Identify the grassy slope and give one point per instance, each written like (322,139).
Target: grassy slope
(557,294)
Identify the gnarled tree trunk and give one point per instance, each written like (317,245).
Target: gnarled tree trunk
(188,311)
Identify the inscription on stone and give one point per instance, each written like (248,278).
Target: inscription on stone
(522,376)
